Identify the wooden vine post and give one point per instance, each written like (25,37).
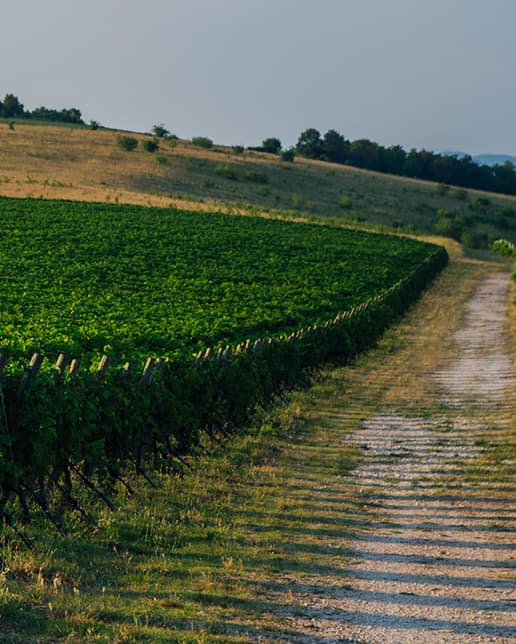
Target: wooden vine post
(147,372)
(104,363)
(31,371)
(61,363)
(74,367)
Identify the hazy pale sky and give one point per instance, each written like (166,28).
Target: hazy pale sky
(438,74)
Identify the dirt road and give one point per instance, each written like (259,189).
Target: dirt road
(435,558)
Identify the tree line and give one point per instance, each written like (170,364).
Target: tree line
(333,146)
(419,164)
(11,107)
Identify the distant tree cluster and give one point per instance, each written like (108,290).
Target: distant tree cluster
(419,164)
(11,107)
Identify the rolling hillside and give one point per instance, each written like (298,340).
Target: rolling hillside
(220,534)
(82,164)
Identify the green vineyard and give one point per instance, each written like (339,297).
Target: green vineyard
(90,278)
(226,312)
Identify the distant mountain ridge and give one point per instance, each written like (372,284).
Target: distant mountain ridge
(483,159)
(492,159)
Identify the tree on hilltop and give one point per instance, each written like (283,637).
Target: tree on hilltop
(160,130)
(271,145)
(335,146)
(11,106)
(310,144)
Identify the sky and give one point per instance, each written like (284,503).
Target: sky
(434,74)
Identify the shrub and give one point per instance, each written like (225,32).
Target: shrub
(288,155)
(94,125)
(202,142)
(345,202)
(127,142)
(448,224)
(474,239)
(11,125)
(271,145)
(504,247)
(238,149)
(481,203)
(161,159)
(442,188)
(151,145)
(448,227)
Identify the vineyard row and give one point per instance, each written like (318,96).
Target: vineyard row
(69,427)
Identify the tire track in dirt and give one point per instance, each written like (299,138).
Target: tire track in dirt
(438,564)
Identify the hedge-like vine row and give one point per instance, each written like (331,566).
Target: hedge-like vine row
(90,427)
